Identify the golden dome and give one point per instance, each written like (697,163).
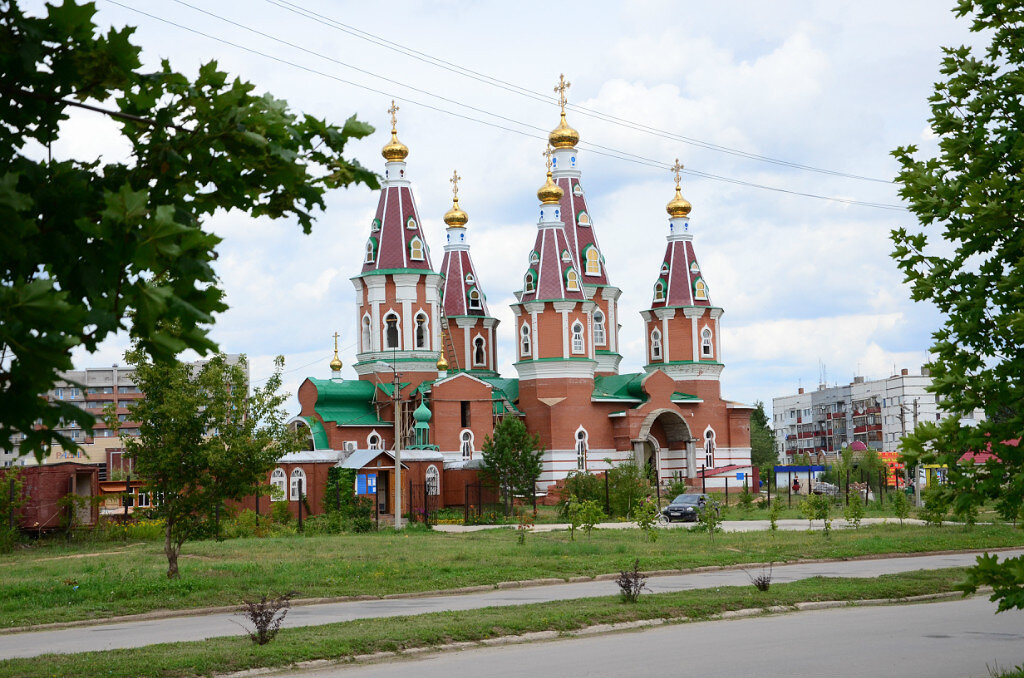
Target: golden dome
(336,363)
(678,206)
(563,136)
(456,216)
(549,193)
(442,364)
(394,150)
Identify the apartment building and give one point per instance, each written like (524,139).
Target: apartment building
(877,413)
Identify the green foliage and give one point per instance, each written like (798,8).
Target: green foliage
(900,505)
(709,519)
(90,249)
(9,534)
(646,517)
(746,501)
(627,484)
(774,511)
(936,506)
(1004,576)
(762,441)
(204,438)
(279,512)
(582,514)
(581,486)
(967,259)
(512,460)
(818,507)
(340,493)
(362,515)
(677,487)
(854,512)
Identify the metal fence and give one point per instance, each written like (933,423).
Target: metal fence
(424,503)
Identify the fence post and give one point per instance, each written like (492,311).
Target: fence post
(465,505)
(847,487)
(376,503)
(769,486)
(882,485)
(300,504)
(726,490)
(789,488)
(257,507)
(867,486)
(338,499)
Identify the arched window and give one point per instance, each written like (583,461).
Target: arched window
(479,352)
(474,299)
(694,268)
(577,337)
(529,282)
(700,290)
(422,331)
(572,280)
(566,257)
(470,279)
(599,335)
(366,332)
(391,331)
(278,480)
(410,223)
(298,487)
(534,258)
(583,219)
(371,250)
(659,290)
(656,344)
(709,447)
(433,481)
(664,268)
(416,249)
(375,226)
(374,441)
(593,261)
(466,444)
(524,340)
(706,348)
(581,448)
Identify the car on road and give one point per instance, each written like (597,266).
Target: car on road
(685,507)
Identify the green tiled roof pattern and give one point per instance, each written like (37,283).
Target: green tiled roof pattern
(347,403)
(319,434)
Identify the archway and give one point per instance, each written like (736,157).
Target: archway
(662,432)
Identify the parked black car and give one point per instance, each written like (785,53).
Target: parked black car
(685,507)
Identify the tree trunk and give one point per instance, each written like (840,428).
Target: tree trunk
(171,551)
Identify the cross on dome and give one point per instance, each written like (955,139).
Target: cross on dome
(676,169)
(336,361)
(547,155)
(394,118)
(560,88)
(563,136)
(455,184)
(455,216)
(678,206)
(395,150)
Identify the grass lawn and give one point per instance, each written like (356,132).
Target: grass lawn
(348,639)
(55,583)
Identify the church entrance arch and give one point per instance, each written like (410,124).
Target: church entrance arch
(662,431)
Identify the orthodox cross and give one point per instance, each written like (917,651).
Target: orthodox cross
(547,154)
(560,88)
(676,169)
(455,184)
(392,111)
(336,343)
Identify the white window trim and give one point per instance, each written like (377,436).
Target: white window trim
(593,257)
(466,436)
(433,489)
(707,347)
(710,446)
(483,344)
(426,331)
(371,445)
(297,474)
(384,331)
(525,340)
(366,333)
(600,338)
(475,302)
(279,479)
(581,443)
(659,291)
(572,280)
(416,241)
(371,253)
(656,344)
(578,345)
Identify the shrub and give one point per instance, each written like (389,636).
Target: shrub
(362,515)
(746,501)
(709,519)
(581,486)
(936,506)
(631,583)
(266,616)
(646,515)
(818,506)
(901,505)
(763,581)
(280,513)
(854,513)
(774,511)
(676,488)
(627,485)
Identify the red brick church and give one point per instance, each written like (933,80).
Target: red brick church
(429,332)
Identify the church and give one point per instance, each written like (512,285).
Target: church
(427,349)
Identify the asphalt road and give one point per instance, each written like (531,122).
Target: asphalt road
(139,633)
(955,638)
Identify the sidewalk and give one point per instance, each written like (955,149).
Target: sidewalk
(201,626)
(790,524)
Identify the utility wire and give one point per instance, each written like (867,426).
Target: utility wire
(522,91)
(609,152)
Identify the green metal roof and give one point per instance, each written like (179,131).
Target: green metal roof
(346,403)
(389,388)
(620,387)
(684,397)
(504,394)
(319,434)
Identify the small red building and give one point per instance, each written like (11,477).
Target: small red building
(44,488)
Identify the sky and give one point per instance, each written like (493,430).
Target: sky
(808,287)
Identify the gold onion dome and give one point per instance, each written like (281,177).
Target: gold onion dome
(563,136)
(442,364)
(456,216)
(549,193)
(394,150)
(678,206)
(336,363)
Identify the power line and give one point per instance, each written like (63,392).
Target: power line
(609,152)
(522,91)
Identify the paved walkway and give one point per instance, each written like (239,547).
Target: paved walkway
(789,524)
(199,627)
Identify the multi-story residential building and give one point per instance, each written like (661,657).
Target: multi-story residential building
(93,389)
(877,413)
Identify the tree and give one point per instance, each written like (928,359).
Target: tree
(967,258)
(88,249)
(204,438)
(762,441)
(512,460)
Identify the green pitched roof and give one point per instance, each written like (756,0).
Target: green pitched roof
(620,387)
(319,434)
(504,393)
(346,403)
(684,397)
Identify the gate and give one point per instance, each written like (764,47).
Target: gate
(423,504)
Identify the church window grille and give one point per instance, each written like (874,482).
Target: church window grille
(709,447)
(466,444)
(416,249)
(474,299)
(422,332)
(278,481)
(572,280)
(593,261)
(707,349)
(656,345)
(599,333)
(524,340)
(391,334)
(577,337)
(479,352)
(659,290)
(366,333)
(298,485)
(581,448)
(529,282)
(433,481)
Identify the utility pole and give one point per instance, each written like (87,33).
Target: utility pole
(398,451)
(917,470)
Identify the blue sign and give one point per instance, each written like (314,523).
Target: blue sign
(366,483)
(740,475)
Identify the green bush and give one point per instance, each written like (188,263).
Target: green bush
(709,519)
(362,515)
(646,514)
(746,502)
(627,486)
(854,513)
(774,511)
(936,506)
(675,488)
(279,512)
(901,505)
(581,486)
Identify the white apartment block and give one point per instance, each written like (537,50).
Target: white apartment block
(877,413)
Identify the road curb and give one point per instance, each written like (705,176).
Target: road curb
(480,588)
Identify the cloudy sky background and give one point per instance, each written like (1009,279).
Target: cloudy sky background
(804,282)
